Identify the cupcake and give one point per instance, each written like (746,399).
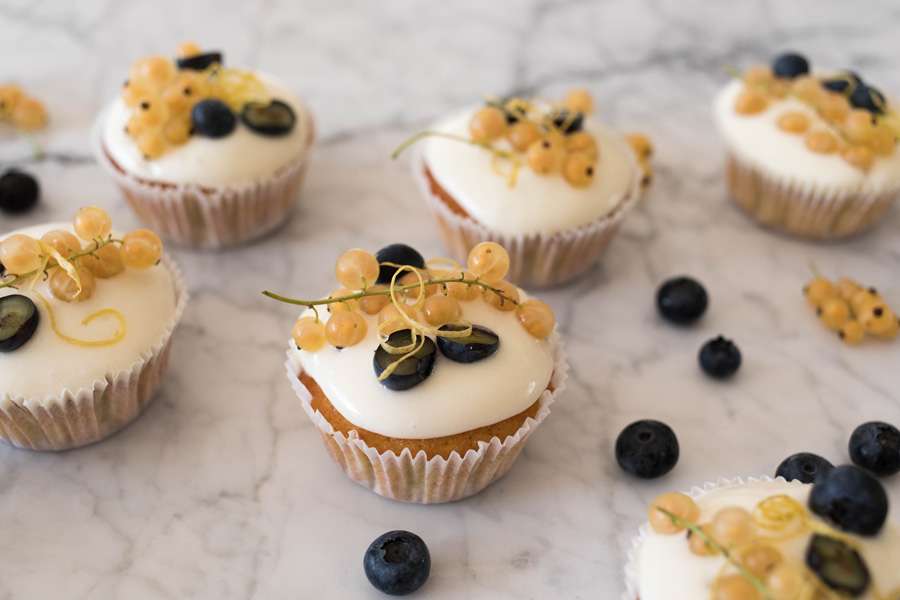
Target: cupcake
(759,539)
(86,316)
(425,379)
(207,155)
(812,155)
(545,180)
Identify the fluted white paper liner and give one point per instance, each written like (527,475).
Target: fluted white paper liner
(631,562)
(802,209)
(537,260)
(210,217)
(418,478)
(76,418)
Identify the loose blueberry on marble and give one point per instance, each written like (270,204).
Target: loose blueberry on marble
(397,563)
(19,319)
(568,122)
(842,82)
(803,466)
(868,98)
(199,62)
(681,300)
(647,449)
(851,500)
(481,344)
(720,358)
(273,119)
(399,254)
(212,118)
(875,446)
(412,371)
(19,192)
(837,565)
(790,65)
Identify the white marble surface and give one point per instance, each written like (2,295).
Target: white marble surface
(223,490)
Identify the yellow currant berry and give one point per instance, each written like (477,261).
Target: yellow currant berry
(20,254)
(141,249)
(63,287)
(487,124)
(463,291)
(758,76)
(733,587)
(680,505)
(29,114)
(536,317)
(760,559)
(808,89)
(154,71)
(852,333)
(522,134)
(62,241)
(584,143)
(860,157)
(818,290)
(878,319)
(579,100)
(750,102)
(545,156)
(345,329)
(177,131)
(821,142)
(489,261)
(356,269)
(440,309)
(859,126)
(785,582)
(372,305)
(882,141)
(641,145)
(104,262)
(579,170)
(343,305)
(698,545)
(152,144)
(847,288)
(505,298)
(10,95)
(188,49)
(834,108)
(834,312)
(793,122)
(862,297)
(732,526)
(309,334)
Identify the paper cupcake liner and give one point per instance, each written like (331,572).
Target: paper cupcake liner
(409,478)
(210,217)
(631,574)
(73,418)
(536,260)
(804,211)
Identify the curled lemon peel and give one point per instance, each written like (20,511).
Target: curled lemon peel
(63,263)
(112,312)
(781,516)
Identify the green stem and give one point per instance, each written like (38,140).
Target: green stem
(19,278)
(695,529)
(450,136)
(385,292)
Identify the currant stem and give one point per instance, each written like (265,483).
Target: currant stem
(387,292)
(15,279)
(695,529)
(450,136)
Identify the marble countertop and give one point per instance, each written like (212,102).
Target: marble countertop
(223,489)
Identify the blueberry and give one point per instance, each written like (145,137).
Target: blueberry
(272,119)
(412,371)
(19,192)
(837,565)
(875,446)
(720,358)
(399,254)
(851,500)
(790,65)
(647,449)
(481,344)
(19,319)
(803,466)
(868,98)
(568,122)
(212,118)
(681,300)
(840,83)
(199,62)
(397,563)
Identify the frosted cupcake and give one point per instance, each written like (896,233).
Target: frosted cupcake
(769,539)
(813,155)
(85,322)
(545,180)
(425,380)
(207,155)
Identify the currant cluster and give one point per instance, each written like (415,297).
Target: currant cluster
(73,262)
(756,569)
(405,294)
(850,309)
(643,150)
(859,125)
(21,110)
(196,95)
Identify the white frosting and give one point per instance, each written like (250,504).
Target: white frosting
(46,365)
(667,570)
(455,398)
(758,140)
(242,156)
(537,203)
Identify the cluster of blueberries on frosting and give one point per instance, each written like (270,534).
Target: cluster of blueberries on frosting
(196,95)
(71,264)
(414,302)
(857,122)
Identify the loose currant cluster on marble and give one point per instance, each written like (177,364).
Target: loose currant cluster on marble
(858,123)
(196,95)
(22,111)
(852,310)
(754,568)
(73,262)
